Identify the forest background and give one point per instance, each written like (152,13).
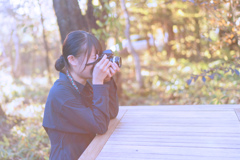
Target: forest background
(181,53)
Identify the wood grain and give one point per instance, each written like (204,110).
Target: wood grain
(174,132)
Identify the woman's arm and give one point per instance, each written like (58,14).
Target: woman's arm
(113,99)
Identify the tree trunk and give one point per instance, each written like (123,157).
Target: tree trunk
(179,38)
(118,74)
(148,44)
(69,17)
(208,29)
(169,29)
(90,17)
(16,68)
(132,50)
(102,19)
(197,36)
(45,44)
(233,8)
(33,56)
(118,81)
(154,45)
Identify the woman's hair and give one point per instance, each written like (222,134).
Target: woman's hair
(77,43)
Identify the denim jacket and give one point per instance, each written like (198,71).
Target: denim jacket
(72,120)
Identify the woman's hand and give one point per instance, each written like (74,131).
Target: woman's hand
(101,70)
(113,70)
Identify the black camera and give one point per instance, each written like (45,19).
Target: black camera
(111,57)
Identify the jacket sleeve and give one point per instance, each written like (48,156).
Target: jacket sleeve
(73,116)
(113,99)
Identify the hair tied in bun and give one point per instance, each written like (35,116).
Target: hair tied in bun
(60,64)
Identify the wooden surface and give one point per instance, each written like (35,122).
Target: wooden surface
(237,111)
(99,141)
(202,132)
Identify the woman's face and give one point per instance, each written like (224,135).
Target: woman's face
(87,72)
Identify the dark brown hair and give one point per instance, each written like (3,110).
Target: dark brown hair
(77,43)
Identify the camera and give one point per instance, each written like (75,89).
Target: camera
(110,55)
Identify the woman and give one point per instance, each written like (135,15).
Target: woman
(75,110)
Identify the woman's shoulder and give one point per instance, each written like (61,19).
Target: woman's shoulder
(61,90)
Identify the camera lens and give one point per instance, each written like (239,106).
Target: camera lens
(117,60)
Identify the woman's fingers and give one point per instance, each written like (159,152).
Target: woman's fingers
(105,68)
(107,65)
(116,67)
(109,73)
(106,61)
(112,71)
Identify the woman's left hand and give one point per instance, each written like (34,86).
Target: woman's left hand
(113,69)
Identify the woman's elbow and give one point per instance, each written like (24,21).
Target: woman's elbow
(102,126)
(102,130)
(114,113)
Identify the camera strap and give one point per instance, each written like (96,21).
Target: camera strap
(93,62)
(72,81)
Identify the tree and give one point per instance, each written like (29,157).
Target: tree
(69,17)
(45,44)
(132,50)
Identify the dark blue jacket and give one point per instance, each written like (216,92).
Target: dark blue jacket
(72,120)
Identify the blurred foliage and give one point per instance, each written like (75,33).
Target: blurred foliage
(27,140)
(22,135)
(194,40)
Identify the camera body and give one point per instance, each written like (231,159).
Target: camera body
(111,57)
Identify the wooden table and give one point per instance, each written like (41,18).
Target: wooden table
(200,132)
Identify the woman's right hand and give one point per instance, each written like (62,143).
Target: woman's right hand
(101,70)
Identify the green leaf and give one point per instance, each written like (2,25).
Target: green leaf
(99,23)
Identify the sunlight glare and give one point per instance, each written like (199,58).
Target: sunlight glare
(145,73)
(158,83)
(130,58)
(172,61)
(186,69)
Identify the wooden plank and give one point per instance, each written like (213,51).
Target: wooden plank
(189,112)
(146,156)
(178,139)
(172,150)
(176,119)
(172,121)
(181,114)
(181,124)
(95,147)
(184,107)
(187,129)
(182,117)
(174,132)
(175,143)
(161,115)
(178,133)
